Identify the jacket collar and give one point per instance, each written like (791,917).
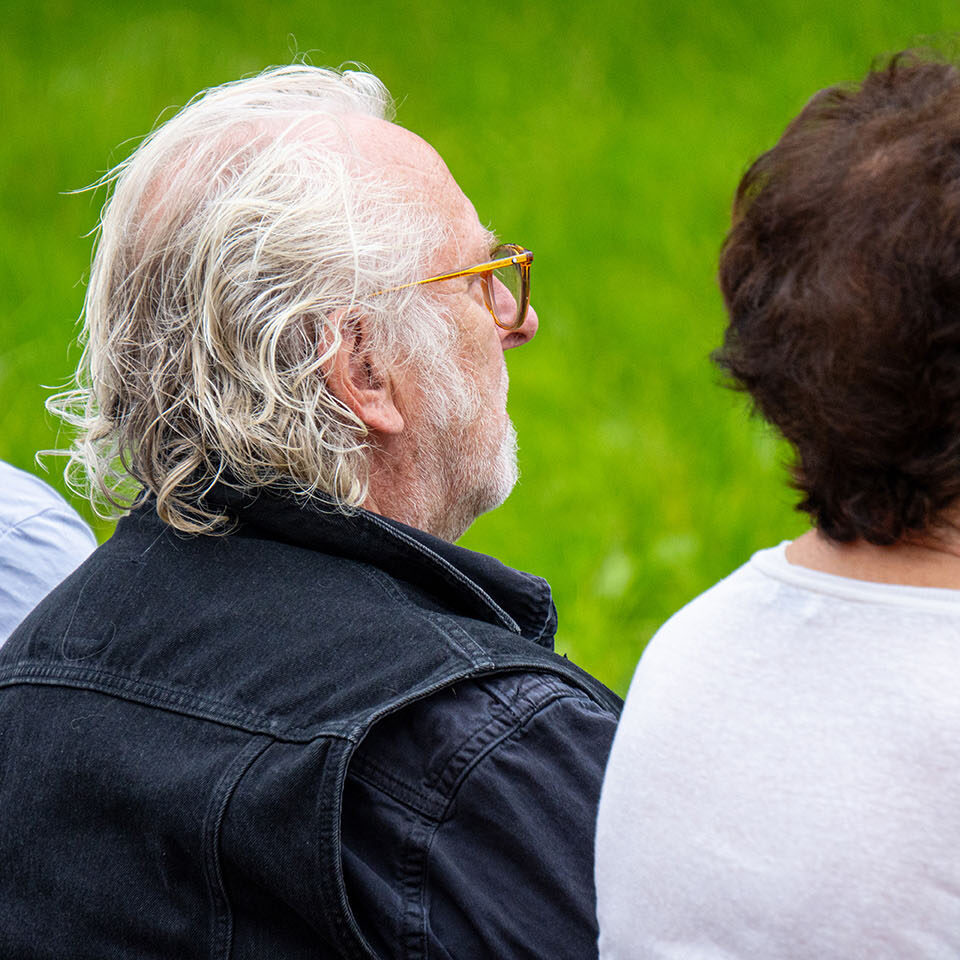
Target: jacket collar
(466,582)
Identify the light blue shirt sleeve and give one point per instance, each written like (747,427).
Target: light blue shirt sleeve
(42,540)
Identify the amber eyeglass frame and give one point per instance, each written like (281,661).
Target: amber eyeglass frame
(518,256)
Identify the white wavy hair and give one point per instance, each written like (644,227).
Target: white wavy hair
(237,238)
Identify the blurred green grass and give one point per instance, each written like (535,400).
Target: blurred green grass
(607,137)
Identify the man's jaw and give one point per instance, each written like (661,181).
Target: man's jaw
(478,485)
(452,462)
(441,483)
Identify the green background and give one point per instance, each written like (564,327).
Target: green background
(607,137)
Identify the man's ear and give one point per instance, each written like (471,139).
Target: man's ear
(359,381)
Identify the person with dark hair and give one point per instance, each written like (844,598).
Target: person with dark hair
(786,777)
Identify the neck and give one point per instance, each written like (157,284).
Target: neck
(406,485)
(931,559)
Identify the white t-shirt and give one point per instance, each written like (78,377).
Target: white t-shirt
(785,780)
(42,540)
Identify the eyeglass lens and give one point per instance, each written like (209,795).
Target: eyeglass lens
(504,291)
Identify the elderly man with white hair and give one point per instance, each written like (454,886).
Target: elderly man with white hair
(279,713)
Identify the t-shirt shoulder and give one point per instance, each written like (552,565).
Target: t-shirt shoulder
(26,496)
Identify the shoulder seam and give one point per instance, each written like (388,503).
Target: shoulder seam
(434,802)
(63,511)
(468,762)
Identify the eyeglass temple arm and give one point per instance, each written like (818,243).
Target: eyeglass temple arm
(524,258)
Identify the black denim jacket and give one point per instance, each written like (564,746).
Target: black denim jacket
(177,719)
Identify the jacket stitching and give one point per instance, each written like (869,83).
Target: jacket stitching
(466,645)
(422,912)
(171,700)
(443,786)
(221,917)
(463,763)
(376,776)
(450,573)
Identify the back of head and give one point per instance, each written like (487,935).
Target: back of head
(239,239)
(841,275)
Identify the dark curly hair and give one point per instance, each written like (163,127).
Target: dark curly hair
(841,276)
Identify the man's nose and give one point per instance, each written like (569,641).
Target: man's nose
(522,335)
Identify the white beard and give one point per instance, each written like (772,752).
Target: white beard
(479,486)
(463,469)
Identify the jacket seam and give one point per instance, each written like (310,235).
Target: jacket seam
(450,573)
(433,826)
(462,642)
(469,764)
(351,939)
(471,749)
(251,723)
(393,787)
(221,916)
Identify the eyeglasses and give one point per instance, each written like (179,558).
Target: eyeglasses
(505,280)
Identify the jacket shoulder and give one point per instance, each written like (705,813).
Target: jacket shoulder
(421,753)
